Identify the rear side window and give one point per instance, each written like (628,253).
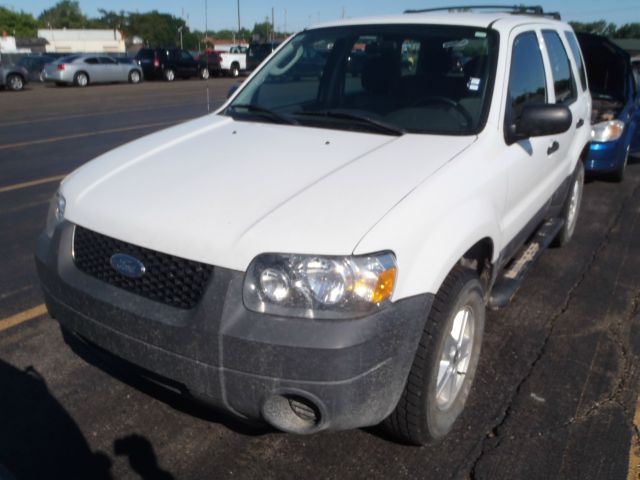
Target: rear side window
(575,50)
(91,61)
(527,84)
(145,53)
(563,81)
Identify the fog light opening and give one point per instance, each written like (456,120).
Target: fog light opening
(292,413)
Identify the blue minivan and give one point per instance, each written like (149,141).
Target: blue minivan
(615,115)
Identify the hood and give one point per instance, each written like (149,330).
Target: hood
(608,66)
(220,191)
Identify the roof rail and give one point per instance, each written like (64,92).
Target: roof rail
(513,9)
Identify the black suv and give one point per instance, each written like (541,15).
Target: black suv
(258,52)
(170,63)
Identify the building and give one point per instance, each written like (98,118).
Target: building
(90,41)
(9,45)
(631,45)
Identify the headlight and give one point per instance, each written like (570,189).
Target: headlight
(314,286)
(55,216)
(607,131)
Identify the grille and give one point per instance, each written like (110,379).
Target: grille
(170,280)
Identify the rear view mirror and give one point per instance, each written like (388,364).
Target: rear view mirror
(539,121)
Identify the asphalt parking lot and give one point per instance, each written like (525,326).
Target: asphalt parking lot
(555,394)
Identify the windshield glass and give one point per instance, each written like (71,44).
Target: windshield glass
(414,78)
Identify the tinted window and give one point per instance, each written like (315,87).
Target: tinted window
(527,85)
(186,55)
(145,53)
(416,78)
(107,60)
(575,50)
(91,61)
(563,82)
(69,58)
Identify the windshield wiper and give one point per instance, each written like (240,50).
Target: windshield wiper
(362,119)
(264,111)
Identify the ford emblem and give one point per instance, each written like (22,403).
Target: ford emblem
(127,265)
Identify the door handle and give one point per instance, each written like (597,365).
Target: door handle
(553,148)
(580,123)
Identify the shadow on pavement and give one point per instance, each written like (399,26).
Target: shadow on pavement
(142,458)
(38,438)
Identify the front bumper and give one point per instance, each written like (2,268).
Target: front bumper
(606,157)
(352,372)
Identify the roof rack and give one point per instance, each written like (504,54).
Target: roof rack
(513,9)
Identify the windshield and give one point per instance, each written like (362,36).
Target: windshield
(414,78)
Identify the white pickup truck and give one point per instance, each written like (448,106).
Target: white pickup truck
(234,61)
(320,252)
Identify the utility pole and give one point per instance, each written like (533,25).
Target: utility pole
(273,23)
(285,22)
(239,27)
(343,12)
(206,25)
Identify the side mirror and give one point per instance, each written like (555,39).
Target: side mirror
(232,90)
(539,121)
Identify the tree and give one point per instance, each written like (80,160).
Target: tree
(600,27)
(64,14)
(262,31)
(157,29)
(628,30)
(20,24)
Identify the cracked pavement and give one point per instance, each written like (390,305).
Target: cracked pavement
(555,393)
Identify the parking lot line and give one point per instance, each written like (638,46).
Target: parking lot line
(634,449)
(62,138)
(22,317)
(32,183)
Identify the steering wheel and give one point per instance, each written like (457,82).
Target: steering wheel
(452,104)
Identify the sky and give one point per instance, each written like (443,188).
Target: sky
(294,15)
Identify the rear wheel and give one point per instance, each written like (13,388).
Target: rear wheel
(445,363)
(571,208)
(235,70)
(134,76)
(15,82)
(169,75)
(204,73)
(81,79)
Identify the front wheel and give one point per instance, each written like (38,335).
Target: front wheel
(204,74)
(571,208)
(15,82)
(445,363)
(235,70)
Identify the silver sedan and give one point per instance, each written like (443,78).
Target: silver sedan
(81,70)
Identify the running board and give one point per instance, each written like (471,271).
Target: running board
(511,279)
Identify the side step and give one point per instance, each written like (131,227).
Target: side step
(508,283)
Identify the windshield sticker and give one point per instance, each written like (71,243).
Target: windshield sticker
(481,34)
(474,84)
(456,43)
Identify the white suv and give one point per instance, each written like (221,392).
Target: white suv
(319,253)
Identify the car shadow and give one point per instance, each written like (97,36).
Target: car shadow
(142,458)
(38,438)
(166,391)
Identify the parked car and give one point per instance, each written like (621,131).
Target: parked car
(13,77)
(234,61)
(616,106)
(257,52)
(34,64)
(81,70)
(330,266)
(213,61)
(170,63)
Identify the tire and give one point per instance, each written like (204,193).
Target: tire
(61,84)
(41,76)
(433,400)
(135,76)
(235,70)
(571,208)
(204,74)
(169,75)
(618,175)
(81,79)
(15,82)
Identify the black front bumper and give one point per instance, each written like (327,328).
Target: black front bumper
(351,371)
